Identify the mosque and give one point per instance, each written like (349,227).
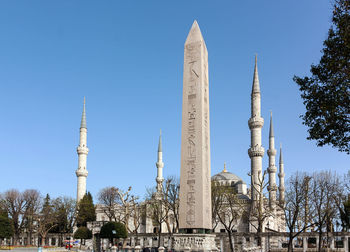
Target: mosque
(249,196)
(275,221)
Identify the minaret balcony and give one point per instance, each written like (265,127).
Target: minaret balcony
(159,180)
(271,152)
(272,169)
(81,172)
(256,151)
(160,164)
(281,189)
(281,175)
(272,188)
(83,150)
(256,122)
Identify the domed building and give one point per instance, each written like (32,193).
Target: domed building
(230,179)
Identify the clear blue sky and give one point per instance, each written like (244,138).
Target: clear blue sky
(126,57)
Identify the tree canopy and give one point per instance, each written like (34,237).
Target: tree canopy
(86,210)
(6,227)
(112,230)
(345,214)
(83,233)
(326,93)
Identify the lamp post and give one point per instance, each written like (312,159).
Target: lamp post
(114,233)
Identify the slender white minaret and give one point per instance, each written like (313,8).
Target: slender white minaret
(82,151)
(281,177)
(160,166)
(256,151)
(272,169)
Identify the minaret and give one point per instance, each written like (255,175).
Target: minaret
(160,166)
(256,151)
(281,177)
(272,169)
(82,151)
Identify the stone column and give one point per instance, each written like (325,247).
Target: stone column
(304,244)
(346,243)
(142,242)
(332,242)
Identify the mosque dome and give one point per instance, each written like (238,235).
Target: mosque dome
(227,176)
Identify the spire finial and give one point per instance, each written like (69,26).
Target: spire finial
(224,167)
(271,134)
(160,141)
(256,85)
(83,117)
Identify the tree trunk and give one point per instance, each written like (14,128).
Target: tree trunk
(15,239)
(319,241)
(290,244)
(43,240)
(160,231)
(231,241)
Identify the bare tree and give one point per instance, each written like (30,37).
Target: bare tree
(46,219)
(259,210)
(137,213)
(228,208)
(296,202)
(15,206)
(124,200)
(171,197)
(216,202)
(343,203)
(157,210)
(323,189)
(64,209)
(108,196)
(32,200)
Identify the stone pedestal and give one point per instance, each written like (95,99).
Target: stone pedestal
(194,242)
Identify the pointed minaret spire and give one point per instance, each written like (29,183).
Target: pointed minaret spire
(83,117)
(256,151)
(160,141)
(256,85)
(271,133)
(272,169)
(281,155)
(82,151)
(160,165)
(281,177)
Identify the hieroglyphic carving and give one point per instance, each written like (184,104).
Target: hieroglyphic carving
(191,134)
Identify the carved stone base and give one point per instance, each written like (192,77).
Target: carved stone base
(194,242)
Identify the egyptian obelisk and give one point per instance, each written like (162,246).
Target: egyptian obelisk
(195,187)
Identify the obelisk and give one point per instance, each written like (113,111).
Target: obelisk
(195,188)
